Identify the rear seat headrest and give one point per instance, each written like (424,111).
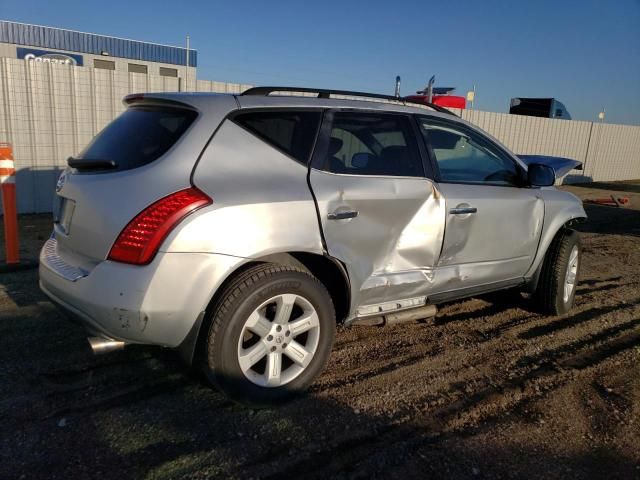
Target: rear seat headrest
(335,144)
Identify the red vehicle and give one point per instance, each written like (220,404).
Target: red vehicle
(441,96)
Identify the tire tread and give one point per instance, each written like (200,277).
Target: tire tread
(236,288)
(552,274)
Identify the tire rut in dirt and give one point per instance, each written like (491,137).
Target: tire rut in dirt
(353,454)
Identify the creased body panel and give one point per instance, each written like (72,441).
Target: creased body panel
(497,242)
(561,166)
(560,208)
(261,201)
(392,245)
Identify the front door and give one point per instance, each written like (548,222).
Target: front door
(379,213)
(493,221)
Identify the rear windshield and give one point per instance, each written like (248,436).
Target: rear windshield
(138,136)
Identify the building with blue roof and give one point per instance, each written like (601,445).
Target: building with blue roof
(57,45)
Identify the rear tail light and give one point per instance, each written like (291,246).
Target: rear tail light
(139,241)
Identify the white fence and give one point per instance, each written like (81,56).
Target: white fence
(608,151)
(50,112)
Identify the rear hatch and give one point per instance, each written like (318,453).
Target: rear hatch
(145,154)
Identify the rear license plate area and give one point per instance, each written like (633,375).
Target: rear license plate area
(64,214)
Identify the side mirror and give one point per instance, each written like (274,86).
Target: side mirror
(539,175)
(558,112)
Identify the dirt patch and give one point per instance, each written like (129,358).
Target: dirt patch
(487,389)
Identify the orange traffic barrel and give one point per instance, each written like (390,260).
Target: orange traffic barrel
(10,214)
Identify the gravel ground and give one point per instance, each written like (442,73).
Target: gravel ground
(487,389)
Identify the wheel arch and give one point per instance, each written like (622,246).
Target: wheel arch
(328,270)
(331,273)
(533,275)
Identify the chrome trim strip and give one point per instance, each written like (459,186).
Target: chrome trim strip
(342,215)
(49,258)
(462,210)
(387,307)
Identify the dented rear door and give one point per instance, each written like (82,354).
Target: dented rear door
(379,213)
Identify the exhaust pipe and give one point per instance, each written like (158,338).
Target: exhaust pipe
(413,314)
(101,345)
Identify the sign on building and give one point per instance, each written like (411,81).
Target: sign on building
(34,55)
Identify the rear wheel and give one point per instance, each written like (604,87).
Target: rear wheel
(556,289)
(271,334)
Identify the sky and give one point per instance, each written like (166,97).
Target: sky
(585,53)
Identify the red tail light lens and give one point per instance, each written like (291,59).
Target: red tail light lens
(138,243)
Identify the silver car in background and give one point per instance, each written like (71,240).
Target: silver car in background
(240,228)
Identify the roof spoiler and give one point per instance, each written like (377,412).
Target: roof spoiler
(157,99)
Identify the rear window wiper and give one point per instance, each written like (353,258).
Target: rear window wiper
(91,164)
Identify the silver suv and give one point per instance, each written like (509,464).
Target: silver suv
(240,229)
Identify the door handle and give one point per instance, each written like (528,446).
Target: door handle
(463,210)
(339,215)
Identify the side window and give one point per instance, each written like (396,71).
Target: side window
(293,132)
(464,156)
(344,145)
(372,144)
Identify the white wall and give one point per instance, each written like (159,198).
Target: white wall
(50,112)
(607,151)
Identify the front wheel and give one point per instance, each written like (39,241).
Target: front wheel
(270,335)
(556,289)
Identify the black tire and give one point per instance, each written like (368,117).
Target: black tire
(237,302)
(549,294)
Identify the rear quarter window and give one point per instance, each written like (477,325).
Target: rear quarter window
(292,131)
(140,135)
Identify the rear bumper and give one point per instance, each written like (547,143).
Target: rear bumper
(152,304)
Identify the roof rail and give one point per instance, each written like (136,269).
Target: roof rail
(326,93)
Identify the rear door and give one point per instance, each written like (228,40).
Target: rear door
(380,214)
(493,221)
